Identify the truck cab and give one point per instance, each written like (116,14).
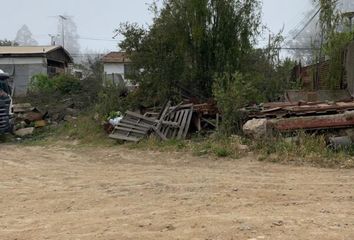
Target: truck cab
(6,111)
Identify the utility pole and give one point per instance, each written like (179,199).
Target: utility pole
(63,29)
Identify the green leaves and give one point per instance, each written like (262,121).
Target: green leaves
(188,43)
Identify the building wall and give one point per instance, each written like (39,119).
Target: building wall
(114,72)
(22,70)
(116,68)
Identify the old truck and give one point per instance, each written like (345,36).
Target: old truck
(6,110)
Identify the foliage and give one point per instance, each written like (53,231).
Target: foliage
(41,83)
(189,42)
(302,149)
(83,131)
(329,17)
(66,84)
(111,98)
(63,84)
(266,80)
(233,91)
(334,41)
(212,146)
(334,49)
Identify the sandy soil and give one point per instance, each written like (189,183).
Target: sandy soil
(60,193)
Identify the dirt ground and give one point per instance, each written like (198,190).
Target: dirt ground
(117,193)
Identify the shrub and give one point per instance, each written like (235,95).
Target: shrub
(111,98)
(63,84)
(233,92)
(66,84)
(41,83)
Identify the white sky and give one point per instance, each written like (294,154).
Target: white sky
(98,18)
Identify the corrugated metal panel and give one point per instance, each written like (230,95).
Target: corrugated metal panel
(27,50)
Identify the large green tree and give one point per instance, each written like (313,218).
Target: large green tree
(189,44)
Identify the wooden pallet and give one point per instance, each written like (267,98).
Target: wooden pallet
(173,123)
(133,127)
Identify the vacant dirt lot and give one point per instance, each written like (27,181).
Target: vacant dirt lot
(60,193)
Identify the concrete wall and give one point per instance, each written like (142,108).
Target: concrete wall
(22,70)
(349,68)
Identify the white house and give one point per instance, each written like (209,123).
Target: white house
(116,67)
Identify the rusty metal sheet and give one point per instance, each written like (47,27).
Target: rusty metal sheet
(317,96)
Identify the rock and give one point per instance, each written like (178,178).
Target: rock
(24,132)
(40,124)
(256,128)
(278,223)
(33,116)
(245,227)
(22,107)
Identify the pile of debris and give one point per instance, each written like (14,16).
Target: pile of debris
(288,117)
(27,119)
(172,122)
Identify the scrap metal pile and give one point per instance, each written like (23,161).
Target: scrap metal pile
(287,116)
(173,122)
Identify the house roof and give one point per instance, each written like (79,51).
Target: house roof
(116,57)
(21,51)
(27,50)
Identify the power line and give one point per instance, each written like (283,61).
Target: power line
(98,39)
(308,23)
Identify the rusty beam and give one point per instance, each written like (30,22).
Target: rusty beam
(344,120)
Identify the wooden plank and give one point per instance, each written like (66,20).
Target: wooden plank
(188,123)
(167,105)
(157,131)
(182,124)
(177,118)
(133,126)
(124,138)
(168,129)
(211,123)
(140,116)
(130,130)
(170,124)
(137,124)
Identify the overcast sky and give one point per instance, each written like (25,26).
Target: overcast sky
(98,18)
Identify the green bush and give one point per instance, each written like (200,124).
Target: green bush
(111,98)
(41,83)
(66,84)
(63,84)
(233,92)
